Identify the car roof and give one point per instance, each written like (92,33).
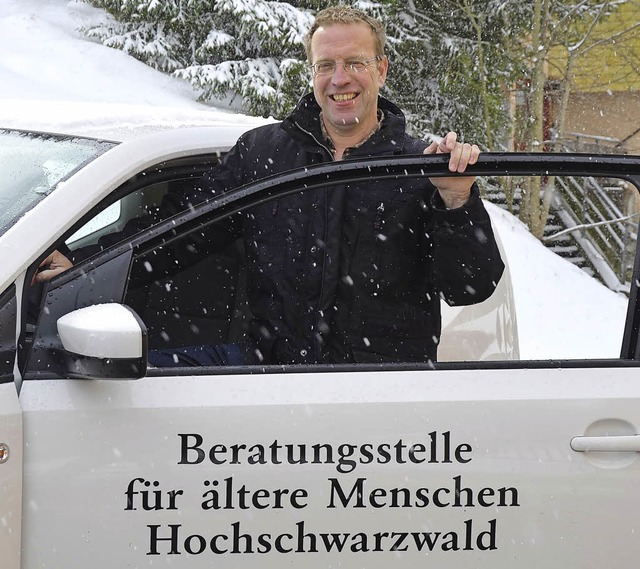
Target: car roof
(117,122)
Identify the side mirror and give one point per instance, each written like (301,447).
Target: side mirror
(103,341)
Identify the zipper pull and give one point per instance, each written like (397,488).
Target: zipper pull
(377,222)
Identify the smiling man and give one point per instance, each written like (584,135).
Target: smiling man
(348,71)
(354,273)
(345,48)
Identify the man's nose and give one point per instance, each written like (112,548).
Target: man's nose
(340,75)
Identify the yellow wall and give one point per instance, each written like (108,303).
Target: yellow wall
(610,67)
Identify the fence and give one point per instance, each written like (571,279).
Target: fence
(600,216)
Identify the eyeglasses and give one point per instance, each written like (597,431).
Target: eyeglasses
(350,66)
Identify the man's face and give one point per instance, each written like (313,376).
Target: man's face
(349,100)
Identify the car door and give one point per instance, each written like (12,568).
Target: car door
(518,459)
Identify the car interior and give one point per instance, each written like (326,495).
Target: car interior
(182,295)
(183,291)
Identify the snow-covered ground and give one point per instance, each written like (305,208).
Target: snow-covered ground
(52,78)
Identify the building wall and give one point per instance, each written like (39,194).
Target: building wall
(614,115)
(609,60)
(605,98)
(613,65)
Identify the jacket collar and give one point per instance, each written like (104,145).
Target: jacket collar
(304,124)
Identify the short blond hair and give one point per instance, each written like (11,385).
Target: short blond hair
(346,15)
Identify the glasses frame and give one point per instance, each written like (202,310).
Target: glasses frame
(345,66)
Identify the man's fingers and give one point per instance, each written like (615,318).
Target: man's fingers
(44,276)
(462,156)
(47,260)
(432,148)
(51,266)
(448,143)
(37,276)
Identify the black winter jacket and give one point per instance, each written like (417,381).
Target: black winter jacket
(353,273)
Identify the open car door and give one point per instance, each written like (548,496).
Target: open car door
(499,455)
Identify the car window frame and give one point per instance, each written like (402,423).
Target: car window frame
(352,171)
(409,166)
(8,344)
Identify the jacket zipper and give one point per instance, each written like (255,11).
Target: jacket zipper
(320,144)
(316,327)
(377,221)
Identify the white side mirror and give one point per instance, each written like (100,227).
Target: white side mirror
(111,335)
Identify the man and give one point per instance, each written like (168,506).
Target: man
(353,274)
(356,274)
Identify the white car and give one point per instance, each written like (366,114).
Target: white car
(487,459)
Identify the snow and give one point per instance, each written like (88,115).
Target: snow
(562,312)
(52,78)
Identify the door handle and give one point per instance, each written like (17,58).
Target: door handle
(617,443)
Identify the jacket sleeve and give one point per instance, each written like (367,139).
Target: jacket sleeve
(466,260)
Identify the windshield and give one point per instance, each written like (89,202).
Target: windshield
(33,164)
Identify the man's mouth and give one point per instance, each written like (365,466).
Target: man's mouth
(342,97)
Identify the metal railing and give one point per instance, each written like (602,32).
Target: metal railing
(596,214)
(589,143)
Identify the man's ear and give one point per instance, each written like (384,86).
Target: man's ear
(383,66)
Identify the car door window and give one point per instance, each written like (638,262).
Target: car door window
(188,282)
(578,292)
(192,290)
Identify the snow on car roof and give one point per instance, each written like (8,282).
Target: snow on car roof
(114,121)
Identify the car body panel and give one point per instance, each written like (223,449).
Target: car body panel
(11,475)
(544,504)
(485,331)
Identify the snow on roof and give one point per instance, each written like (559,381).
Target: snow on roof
(112,121)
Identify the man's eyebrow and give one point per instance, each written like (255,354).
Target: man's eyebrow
(359,57)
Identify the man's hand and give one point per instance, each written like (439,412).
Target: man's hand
(51,266)
(455,191)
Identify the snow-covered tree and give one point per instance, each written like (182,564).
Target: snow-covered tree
(452,67)
(251,49)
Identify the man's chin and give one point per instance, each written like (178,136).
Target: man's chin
(342,120)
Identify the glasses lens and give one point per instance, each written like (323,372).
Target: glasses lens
(324,68)
(355,66)
(328,67)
